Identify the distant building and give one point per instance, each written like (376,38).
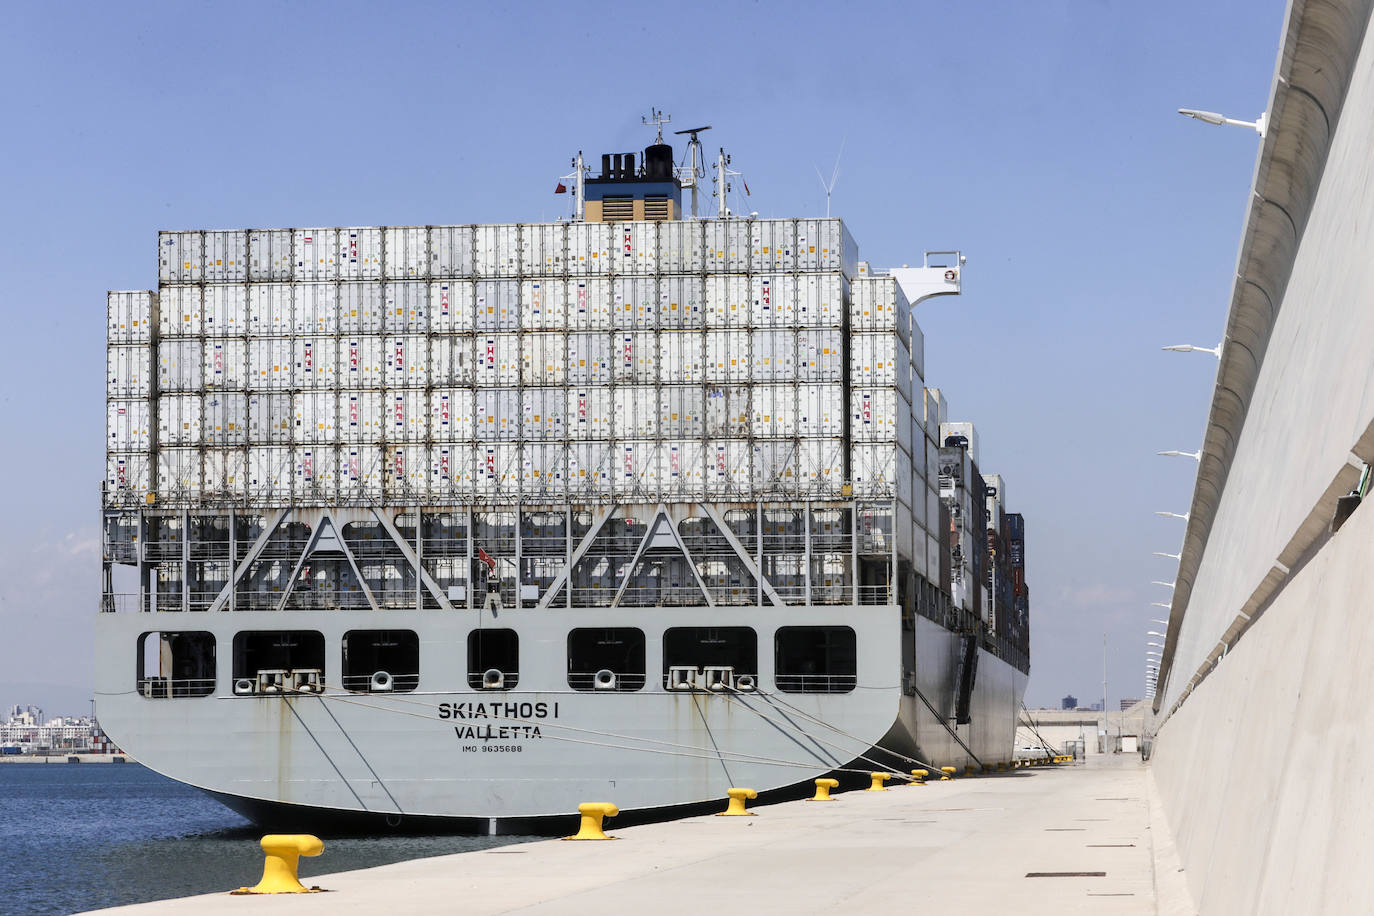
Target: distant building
(1096,707)
(1127,704)
(1069,702)
(27,733)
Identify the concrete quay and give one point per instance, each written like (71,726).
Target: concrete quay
(1090,833)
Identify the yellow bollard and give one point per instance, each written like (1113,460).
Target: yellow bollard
(878,780)
(949,773)
(823,787)
(736,806)
(592,815)
(970,769)
(284,851)
(919,777)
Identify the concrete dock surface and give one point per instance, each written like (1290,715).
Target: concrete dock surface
(1084,838)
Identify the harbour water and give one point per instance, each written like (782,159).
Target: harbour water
(82,836)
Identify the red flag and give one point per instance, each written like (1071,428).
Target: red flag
(486,558)
(746,186)
(560,189)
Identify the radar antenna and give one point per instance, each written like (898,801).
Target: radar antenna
(696,167)
(656,120)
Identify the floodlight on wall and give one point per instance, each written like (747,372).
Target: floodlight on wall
(1189,348)
(1184,516)
(1211,117)
(1174,453)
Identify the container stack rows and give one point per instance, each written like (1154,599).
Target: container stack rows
(584,361)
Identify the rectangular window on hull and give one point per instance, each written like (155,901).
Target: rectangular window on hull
(721,658)
(381,661)
(278,661)
(493,659)
(176,664)
(609,658)
(815,659)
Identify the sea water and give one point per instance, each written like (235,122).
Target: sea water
(76,837)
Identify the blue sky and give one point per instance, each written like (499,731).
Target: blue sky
(1038,137)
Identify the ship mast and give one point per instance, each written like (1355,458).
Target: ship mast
(696,166)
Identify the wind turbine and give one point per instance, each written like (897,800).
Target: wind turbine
(834,176)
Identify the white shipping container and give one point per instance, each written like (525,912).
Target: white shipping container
(226,364)
(316,255)
(728,411)
(825,244)
(180,365)
(820,410)
(498,469)
(362,362)
(590,468)
(498,305)
(407,473)
(407,361)
(820,355)
(226,256)
(589,358)
(727,301)
(589,306)
(777,469)
(179,473)
(635,359)
(589,249)
(543,249)
(682,468)
(360,473)
(406,304)
(729,468)
(360,308)
(181,257)
(682,356)
(316,417)
(271,419)
(317,362)
(451,472)
(636,473)
(774,355)
(450,252)
(225,310)
(681,413)
(497,250)
(451,360)
(820,467)
(636,248)
(362,416)
(128,426)
(315,309)
(225,418)
(407,415)
(270,363)
(128,477)
(727,357)
(179,311)
(875,470)
(771,301)
(359,253)
(497,417)
(877,304)
(128,371)
(269,310)
(918,355)
(130,316)
(544,410)
(634,303)
(407,252)
(225,473)
(879,415)
(450,414)
(726,245)
(775,411)
(635,412)
(681,302)
(269,255)
(820,300)
(545,472)
(680,247)
(317,474)
(880,359)
(772,244)
(498,359)
(543,304)
(179,419)
(544,359)
(271,469)
(588,413)
(450,306)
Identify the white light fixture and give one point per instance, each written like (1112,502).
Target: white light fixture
(1211,117)
(1169,556)
(1161,604)
(1165,622)
(1173,453)
(1165,584)
(1184,516)
(1153,633)
(1189,348)
(1157,645)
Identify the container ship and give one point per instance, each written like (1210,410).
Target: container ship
(473,523)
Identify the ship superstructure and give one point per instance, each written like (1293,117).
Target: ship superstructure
(400,519)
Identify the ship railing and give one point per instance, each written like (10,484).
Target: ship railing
(665,596)
(368,683)
(175,688)
(875,594)
(815,683)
